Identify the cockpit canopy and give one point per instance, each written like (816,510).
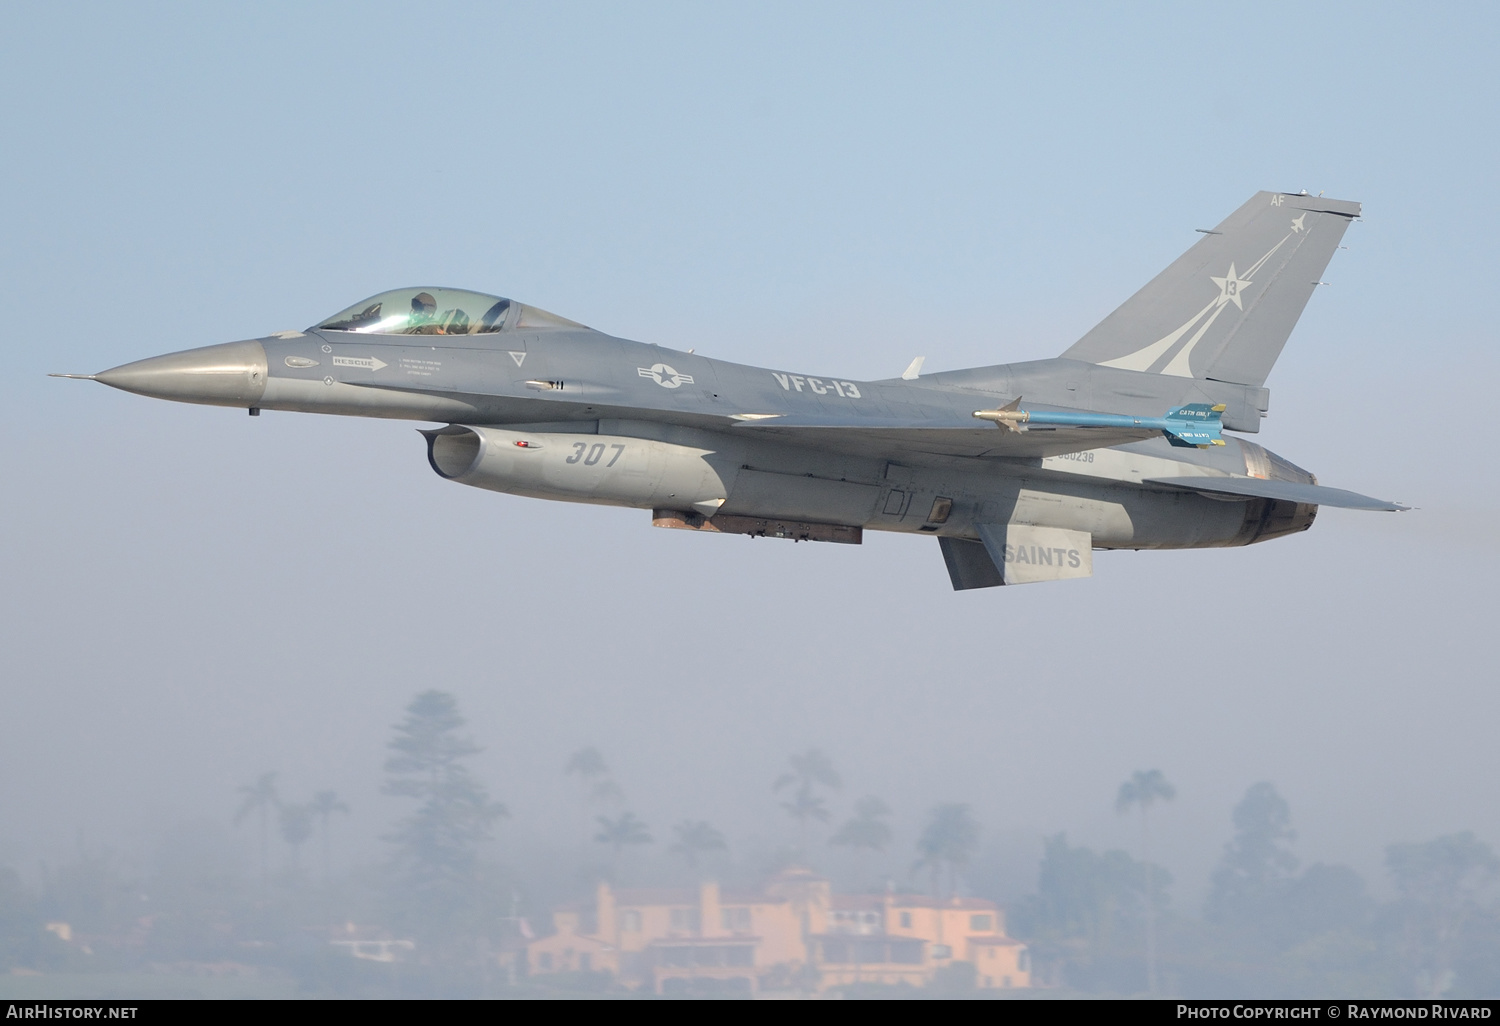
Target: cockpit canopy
(440,312)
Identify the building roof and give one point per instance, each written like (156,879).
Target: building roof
(843,902)
(579,939)
(923,901)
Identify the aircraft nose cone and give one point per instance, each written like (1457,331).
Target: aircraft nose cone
(232,374)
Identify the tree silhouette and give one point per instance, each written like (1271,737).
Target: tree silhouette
(622,830)
(324,805)
(1084,895)
(950,839)
(808,770)
(437,846)
(260,798)
(867,831)
(1440,884)
(696,838)
(1142,790)
(1256,872)
(588,765)
(296,823)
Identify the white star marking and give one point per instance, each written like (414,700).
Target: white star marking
(1230,287)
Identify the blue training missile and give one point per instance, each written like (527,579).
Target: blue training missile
(1196,425)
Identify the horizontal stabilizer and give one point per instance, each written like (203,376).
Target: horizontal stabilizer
(1287,491)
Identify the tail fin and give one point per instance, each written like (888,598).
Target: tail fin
(1224,309)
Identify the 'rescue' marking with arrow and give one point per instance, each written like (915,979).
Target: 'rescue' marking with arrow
(367,362)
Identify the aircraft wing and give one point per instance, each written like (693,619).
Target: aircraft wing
(942,437)
(1290,491)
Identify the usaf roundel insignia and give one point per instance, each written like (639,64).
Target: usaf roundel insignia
(664,375)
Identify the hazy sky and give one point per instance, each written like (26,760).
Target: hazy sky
(191,597)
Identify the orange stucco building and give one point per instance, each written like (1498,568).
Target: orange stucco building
(793,933)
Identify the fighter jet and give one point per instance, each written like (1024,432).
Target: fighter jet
(1020,471)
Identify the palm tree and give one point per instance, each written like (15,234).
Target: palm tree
(695,838)
(324,805)
(260,798)
(620,831)
(809,770)
(867,831)
(950,839)
(1142,790)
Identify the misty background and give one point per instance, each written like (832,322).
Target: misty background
(193,598)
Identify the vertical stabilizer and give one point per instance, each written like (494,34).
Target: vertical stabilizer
(1225,308)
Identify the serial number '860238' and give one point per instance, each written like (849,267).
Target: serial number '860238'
(590,455)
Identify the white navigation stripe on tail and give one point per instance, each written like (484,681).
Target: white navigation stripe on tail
(1261,262)
(1179,365)
(1142,359)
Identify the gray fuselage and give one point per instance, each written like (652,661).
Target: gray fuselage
(674,413)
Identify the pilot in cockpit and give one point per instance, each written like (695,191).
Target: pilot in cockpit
(423,315)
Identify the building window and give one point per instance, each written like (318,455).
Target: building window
(990,953)
(736,920)
(1005,981)
(989,981)
(942,951)
(906,920)
(544,961)
(630,921)
(684,920)
(983,923)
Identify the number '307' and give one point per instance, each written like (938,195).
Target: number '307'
(589,455)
